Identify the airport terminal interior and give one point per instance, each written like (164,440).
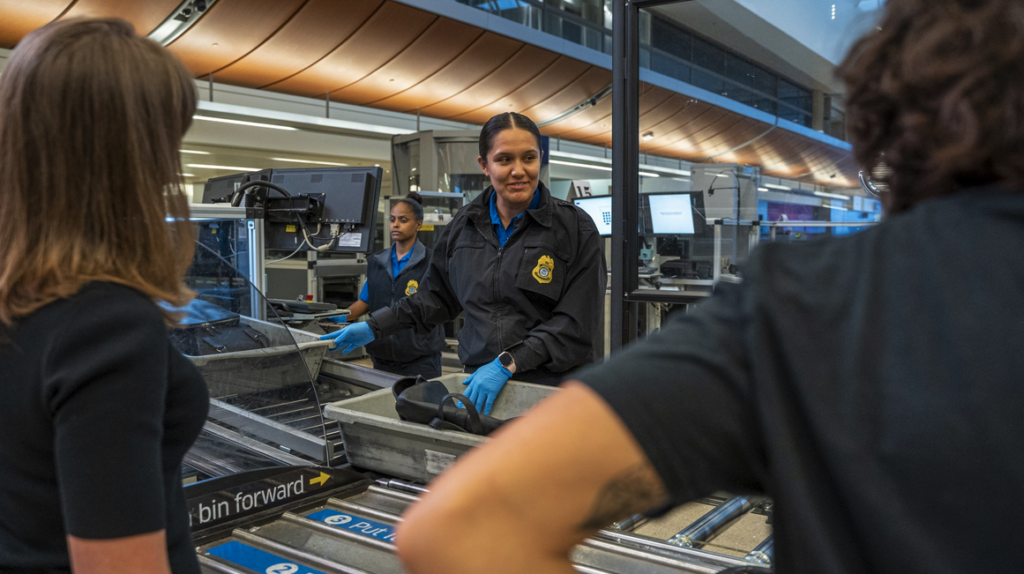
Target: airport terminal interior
(735,136)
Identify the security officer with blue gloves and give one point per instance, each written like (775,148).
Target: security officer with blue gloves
(526,269)
(391,275)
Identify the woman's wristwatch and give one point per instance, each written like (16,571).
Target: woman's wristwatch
(507,361)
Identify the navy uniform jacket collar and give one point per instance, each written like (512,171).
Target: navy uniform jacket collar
(419,251)
(479,211)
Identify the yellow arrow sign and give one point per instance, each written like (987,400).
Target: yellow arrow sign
(320,479)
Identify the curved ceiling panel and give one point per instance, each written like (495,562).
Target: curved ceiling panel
(562,74)
(472,65)
(22,16)
(318,27)
(386,54)
(508,77)
(382,37)
(229,30)
(439,44)
(145,16)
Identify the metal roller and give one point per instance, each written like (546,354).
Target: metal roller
(707,526)
(764,552)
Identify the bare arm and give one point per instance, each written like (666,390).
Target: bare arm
(139,554)
(357,310)
(521,502)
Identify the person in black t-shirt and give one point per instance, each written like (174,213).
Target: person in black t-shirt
(98,407)
(391,275)
(871,384)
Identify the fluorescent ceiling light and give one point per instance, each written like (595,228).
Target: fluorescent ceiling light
(187,174)
(597,167)
(779,187)
(243,123)
(723,175)
(762,189)
(193,151)
(836,207)
(647,136)
(832,195)
(644,166)
(230,167)
(308,161)
(574,164)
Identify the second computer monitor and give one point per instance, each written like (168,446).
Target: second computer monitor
(673,213)
(600,210)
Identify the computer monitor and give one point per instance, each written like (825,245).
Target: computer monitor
(674,213)
(349,196)
(600,210)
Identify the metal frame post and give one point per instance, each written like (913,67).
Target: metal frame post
(626,166)
(257,270)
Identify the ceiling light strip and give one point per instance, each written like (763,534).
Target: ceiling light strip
(228,167)
(245,123)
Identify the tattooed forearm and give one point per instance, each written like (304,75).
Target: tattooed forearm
(634,490)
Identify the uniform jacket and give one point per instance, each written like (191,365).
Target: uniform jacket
(386,290)
(540,297)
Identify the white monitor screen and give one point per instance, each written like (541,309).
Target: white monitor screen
(600,210)
(671,214)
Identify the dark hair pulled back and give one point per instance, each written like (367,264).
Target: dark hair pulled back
(936,93)
(502,122)
(415,203)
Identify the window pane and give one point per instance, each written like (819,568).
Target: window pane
(702,79)
(708,57)
(672,67)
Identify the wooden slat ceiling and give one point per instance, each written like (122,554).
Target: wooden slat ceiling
(384,54)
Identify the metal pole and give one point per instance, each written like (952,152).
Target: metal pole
(257,273)
(625,189)
(327,105)
(211,86)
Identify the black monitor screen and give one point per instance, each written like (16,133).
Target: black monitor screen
(349,194)
(600,210)
(347,189)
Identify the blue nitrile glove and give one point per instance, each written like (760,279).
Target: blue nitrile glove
(485,384)
(351,337)
(338,319)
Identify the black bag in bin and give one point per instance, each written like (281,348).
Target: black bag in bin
(427,402)
(208,329)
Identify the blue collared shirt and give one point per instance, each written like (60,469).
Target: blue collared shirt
(505,232)
(396,267)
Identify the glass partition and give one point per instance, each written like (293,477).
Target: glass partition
(265,402)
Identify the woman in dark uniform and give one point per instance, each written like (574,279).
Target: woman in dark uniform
(391,275)
(525,269)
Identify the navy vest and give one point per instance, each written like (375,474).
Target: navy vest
(385,290)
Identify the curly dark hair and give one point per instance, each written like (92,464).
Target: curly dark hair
(936,93)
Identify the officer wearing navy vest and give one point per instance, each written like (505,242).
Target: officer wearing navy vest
(391,275)
(524,268)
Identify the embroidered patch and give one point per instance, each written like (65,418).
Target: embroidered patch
(544,270)
(411,287)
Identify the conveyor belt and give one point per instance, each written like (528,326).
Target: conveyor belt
(353,533)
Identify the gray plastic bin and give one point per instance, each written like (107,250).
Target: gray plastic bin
(376,439)
(276,366)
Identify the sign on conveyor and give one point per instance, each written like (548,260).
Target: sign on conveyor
(258,494)
(258,560)
(356,524)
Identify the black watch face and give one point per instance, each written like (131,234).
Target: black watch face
(505,359)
